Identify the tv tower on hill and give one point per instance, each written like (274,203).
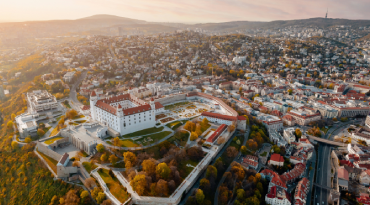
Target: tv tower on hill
(326,15)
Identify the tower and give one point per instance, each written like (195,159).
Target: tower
(152,104)
(326,15)
(93,100)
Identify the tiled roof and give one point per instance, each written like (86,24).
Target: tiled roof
(219,116)
(64,158)
(158,105)
(277,158)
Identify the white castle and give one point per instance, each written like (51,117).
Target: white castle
(124,113)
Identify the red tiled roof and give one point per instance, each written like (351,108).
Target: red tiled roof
(93,94)
(217,133)
(219,116)
(240,117)
(343,173)
(135,110)
(277,158)
(158,105)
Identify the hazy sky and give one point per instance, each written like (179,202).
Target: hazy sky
(184,10)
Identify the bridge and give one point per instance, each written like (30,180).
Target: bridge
(326,141)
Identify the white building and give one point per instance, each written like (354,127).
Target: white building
(124,113)
(277,196)
(41,100)
(289,134)
(68,76)
(27,124)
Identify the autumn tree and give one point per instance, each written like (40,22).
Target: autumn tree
(193,136)
(9,125)
(205,185)
(71,114)
(149,166)
(199,196)
(116,142)
(190,126)
(231,152)
(40,132)
(100,198)
(162,188)
(27,140)
(244,150)
(100,148)
(104,157)
(14,145)
(221,140)
(130,159)
(252,144)
(138,184)
(240,194)
(163,170)
(72,197)
(211,171)
(113,159)
(90,183)
(298,133)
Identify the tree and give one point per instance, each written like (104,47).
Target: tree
(72,197)
(298,133)
(14,145)
(190,126)
(231,152)
(335,119)
(205,185)
(130,159)
(290,91)
(193,136)
(84,194)
(40,132)
(107,202)
(163,170)
(104,157)
(240,194)
(71,114)
(90,182)
(100,148)
(205,122)
(28,140)
(61,201)
(198,129)
(148,166)
(113,159)
(221,140)
(100,198)
(138,184)
(244,150)
(199,196)
(252,144)
(95,192)
(9,125)
(116,142)
(162,188)
(211,171)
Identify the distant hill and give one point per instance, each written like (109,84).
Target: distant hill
(319,22)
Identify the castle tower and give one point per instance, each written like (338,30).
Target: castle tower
(152,104)
(93,100)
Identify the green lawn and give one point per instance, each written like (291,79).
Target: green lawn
(263,154)
(167,107)
(181,137)
(185,170)
(143,132)
(80,121)
(51,162)
(118,165)
(114,185)
(88,166)
(52,140)
(175,125)
(155,137)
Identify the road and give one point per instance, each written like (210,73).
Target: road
(75,104)
(323,172)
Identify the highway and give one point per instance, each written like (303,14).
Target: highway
(323,172)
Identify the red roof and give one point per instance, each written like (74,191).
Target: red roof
(219,116)
(277,158)
(240,117)
(288,117)
(343,173)
(134,110)
(362,86)
(217,133)
(64,158)
(158,105)
(93,94)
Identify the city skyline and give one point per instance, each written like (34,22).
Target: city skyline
(190,12)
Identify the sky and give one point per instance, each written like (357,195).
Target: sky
(184,11)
